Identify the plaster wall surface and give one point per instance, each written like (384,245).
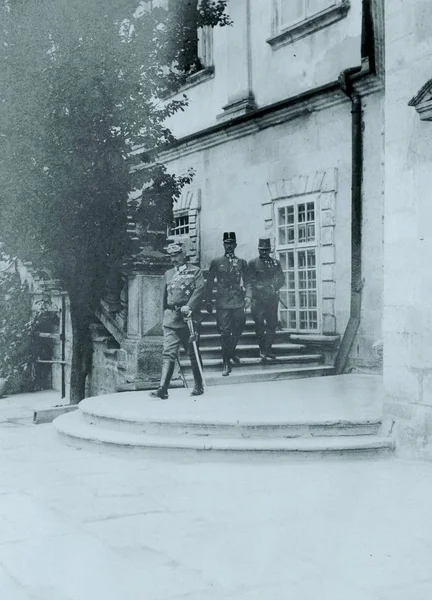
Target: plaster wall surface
(245,62)
(408,240)
(233,178)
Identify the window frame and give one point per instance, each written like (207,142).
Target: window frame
(298,246)
(171,231)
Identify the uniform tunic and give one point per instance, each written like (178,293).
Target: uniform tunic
(232,285)
(184,285)
(267,278)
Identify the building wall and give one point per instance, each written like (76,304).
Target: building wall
(408,240)
(245,62)
(233,178)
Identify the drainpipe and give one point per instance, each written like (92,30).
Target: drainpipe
(356,219)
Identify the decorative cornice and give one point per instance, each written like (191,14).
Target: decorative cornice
(304,104)
(422,101)
(310,25)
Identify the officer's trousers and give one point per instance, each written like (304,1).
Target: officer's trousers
(265,315)
(173,337)
(230,322)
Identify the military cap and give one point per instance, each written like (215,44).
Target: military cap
(229,236)
(264,243)
(173,249)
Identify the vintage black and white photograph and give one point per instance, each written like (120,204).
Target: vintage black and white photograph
(215,299)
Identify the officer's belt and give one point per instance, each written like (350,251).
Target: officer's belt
(174,306)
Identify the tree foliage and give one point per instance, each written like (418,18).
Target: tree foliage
(81,84)
(18,329)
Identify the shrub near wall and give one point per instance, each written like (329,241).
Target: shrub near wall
(18,347)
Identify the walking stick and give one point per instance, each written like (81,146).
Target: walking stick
(193,339)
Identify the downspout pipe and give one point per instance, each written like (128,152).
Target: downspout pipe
(350,333)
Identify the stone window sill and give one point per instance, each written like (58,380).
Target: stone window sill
(310,25)
(195,79)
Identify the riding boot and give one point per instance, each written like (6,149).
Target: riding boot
(167,372)
(198,389)
(268,345)
(226,370)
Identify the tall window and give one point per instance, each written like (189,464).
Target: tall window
(196,46)
(295,11)
(297,247)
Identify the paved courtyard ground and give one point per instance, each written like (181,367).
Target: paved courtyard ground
(91,525)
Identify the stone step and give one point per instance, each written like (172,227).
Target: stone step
(255,375)
(129,417)
(282,347)
(249,350)
(77,431)
(332,416)
(248,337)
(255,361)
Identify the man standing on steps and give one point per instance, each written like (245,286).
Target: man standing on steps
(267,278)
(233,296)
(184,292)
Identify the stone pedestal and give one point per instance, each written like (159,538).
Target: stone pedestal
(145,312)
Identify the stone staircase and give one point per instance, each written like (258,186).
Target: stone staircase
(306,355)
(336,417)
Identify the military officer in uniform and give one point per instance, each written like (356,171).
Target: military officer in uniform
(184,292)
(267,278)
(233,295)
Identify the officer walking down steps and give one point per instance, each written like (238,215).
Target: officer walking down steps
(184,291)
(267,278)
(233,295)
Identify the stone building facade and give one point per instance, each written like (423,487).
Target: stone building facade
(407,322)
(269,135)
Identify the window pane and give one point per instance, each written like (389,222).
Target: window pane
(311,258)
(290,235)
(301,260)
(291,260)
(282,236)
(284,319)
(283,260)
(290,215)
(292,319)
(310,235)
(303,299)
(312,299)
(302,233)
(313,319)
(282,216)
(301,213)
(291,299)
(303,319)
(291,281)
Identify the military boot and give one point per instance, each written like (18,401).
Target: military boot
(226,370)
(198,389)
(167,372)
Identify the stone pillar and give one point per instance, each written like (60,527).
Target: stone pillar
(241,98)
(407,325)
(145,311)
